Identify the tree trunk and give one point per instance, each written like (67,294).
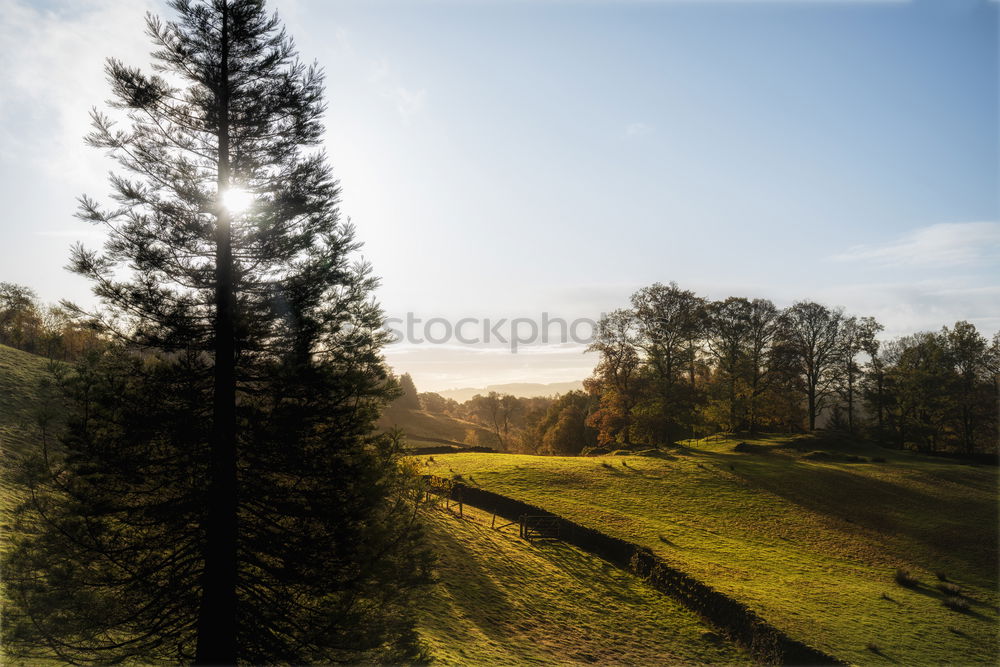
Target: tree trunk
(732,402)
(217,624)
(812,406)
(850,402)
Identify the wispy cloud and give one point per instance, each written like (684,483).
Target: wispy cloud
(408,101)
(637,129)
(52,73)
(941,245)
(384,81)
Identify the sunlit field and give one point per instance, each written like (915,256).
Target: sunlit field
(809,540)
(500,600)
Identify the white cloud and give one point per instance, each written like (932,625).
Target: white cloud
(926,305)
(52,74)
(637,129)
(941,245)
(408,101)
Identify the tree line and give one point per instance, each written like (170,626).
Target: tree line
(55,332)
(676,365)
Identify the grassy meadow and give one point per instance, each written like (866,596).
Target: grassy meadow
(500,600)
(808,531)
(21,378)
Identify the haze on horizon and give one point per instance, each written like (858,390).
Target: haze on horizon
(505,160)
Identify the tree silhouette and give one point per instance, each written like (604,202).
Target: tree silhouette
(216,495)
(409,398)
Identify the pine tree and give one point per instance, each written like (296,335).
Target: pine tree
(409,398)
(216,494)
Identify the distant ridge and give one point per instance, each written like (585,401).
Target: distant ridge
(522,389)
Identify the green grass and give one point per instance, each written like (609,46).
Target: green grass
(20,376)
(500,600)
(811,544)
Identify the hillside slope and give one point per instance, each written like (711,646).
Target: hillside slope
(422,428)
(500,600)
(21,376)
(809,540)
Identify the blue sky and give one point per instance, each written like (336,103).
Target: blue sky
(504,159)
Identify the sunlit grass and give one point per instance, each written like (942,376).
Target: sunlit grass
(500,600)
(810,544)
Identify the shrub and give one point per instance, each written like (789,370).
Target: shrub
(652,452)
(874,648)
(941,575)
(878,459)
(950,589)
(956,604)
(905,578)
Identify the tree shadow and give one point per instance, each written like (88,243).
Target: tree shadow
(885,506)
(481,601)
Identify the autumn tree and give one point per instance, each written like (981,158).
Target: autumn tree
(728,328)
(615,380)
(763,320)
(669,324)
(563,430)
(969,354)
(856,336)
(811,338)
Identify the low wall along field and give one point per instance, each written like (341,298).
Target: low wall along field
(738,622)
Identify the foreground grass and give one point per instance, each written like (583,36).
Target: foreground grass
(808,540)
(500,600)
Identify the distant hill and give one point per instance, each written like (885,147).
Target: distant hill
(522,389)
(424,428)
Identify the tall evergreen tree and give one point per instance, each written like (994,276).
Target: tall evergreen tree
(217,496)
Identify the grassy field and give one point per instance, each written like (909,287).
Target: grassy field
(21,376)
(500,600)
(792,528)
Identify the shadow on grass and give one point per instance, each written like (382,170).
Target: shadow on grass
(482,602)
(939,521)
(592,573)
